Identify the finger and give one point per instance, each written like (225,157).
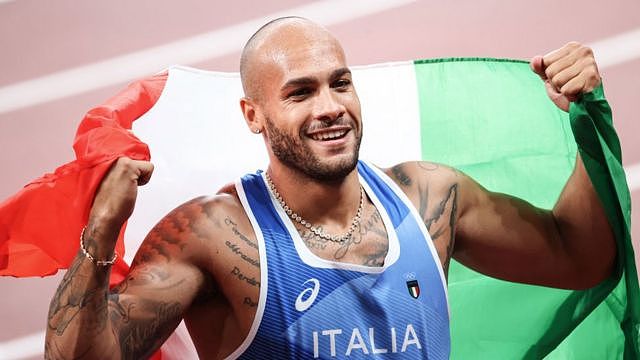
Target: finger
(537,66)
(555,55)
(559,65)
(562,77)
(556,97)
(573,88)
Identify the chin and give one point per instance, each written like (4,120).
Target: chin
(334,170)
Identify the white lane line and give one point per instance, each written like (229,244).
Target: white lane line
(24,347)
(617,49)
(217,43)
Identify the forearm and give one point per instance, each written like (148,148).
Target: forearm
(586,236)
(78,323)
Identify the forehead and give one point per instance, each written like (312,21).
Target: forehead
(295,52)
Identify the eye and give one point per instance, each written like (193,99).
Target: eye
(299,93)
(341,84)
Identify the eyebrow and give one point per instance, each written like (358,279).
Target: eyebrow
(338,73)
(308,80)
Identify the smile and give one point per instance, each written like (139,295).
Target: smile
(329,135)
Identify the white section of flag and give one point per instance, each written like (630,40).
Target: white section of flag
(200,142)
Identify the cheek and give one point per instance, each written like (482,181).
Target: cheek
(353,105)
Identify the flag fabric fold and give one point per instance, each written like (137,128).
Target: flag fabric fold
(488,117)
(40,225)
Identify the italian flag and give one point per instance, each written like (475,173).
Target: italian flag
(490,118)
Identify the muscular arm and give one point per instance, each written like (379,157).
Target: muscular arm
(570,246)
(88,321)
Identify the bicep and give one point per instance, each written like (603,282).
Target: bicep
(163,282)
(508,238)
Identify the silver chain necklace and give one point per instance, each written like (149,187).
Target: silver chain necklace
(316,230)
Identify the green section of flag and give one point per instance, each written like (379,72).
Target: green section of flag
(493,120)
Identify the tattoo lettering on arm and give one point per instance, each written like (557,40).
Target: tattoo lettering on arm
(249,302)
(401,175)
(138,338)
(237,249)
(242,277)
(234,229)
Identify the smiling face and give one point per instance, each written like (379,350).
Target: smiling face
(304,99)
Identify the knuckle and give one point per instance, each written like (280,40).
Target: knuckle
(548,73)
(586,51)
(566,91)
(124,161)
(573,44)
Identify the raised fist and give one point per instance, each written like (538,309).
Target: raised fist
(116,196)
(567,73)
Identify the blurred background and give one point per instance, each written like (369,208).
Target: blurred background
(61,58)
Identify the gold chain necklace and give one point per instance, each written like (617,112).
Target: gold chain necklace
(316,230)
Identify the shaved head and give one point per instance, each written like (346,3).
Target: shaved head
(271,44)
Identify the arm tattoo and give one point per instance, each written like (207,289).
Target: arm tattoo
(138,338)
(71,298)
(242,277)
(244,238)
(428,166)
(236,250)
(443,218)
(401,175)
(83,300)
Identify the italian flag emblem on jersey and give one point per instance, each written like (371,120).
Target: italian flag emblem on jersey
(414,288)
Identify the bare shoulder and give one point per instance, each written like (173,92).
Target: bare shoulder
(435,191)
(189,231)
(412,176)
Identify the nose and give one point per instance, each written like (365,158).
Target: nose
(328,107)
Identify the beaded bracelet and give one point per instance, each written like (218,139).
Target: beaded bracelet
(90,257)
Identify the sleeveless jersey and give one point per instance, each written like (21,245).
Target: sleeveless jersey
(312,308)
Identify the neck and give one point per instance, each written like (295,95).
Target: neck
(331,205)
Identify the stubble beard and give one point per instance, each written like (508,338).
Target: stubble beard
(296,154)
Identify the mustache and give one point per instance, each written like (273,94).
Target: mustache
(316,125)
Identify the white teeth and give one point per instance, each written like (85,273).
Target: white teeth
(328,135)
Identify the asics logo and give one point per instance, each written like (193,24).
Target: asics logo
(310,293)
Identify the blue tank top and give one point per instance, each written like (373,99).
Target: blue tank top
(312,308)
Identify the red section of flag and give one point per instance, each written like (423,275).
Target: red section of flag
(40,225)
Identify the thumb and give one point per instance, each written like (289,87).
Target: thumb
(537,66)
(145,169)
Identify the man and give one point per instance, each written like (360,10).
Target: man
(232,265)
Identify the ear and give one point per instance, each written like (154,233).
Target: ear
(252,114)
